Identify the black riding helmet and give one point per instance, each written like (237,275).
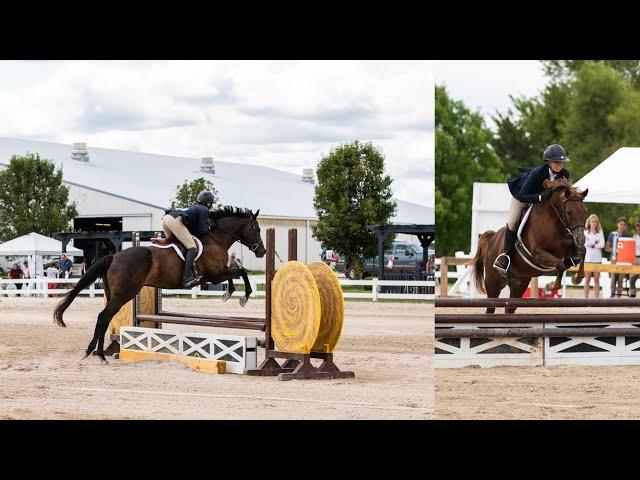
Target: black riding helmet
(204,197)
(555,153)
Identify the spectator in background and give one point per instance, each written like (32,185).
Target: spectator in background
(25,270)
(634,278)
(15,274)
(234,262)
(52,272)
(611,246)
(594,243)
(66,266)
(431,265)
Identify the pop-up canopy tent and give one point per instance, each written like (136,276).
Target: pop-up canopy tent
(615,180)
(35,244)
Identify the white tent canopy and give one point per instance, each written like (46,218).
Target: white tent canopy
(35,244)
(615,180)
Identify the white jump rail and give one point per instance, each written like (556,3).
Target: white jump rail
(38,287)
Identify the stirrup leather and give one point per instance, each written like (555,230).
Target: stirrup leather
(497,267)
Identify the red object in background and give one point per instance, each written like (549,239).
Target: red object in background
(626,251)
(542,293)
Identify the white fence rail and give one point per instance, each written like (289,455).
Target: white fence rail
(39,287)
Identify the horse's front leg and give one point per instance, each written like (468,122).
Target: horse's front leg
(545,258)
(247,287)
(226,274)
(555,285)
(227,295)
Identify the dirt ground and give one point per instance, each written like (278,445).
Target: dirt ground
(389,346)
(558,392)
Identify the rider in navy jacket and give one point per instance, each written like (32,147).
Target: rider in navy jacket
(183,224)
(526,189)
(194,218)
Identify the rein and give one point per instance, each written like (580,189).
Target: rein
(562,220)
(237,238)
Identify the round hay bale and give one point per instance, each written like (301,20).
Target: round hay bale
(295,308)
(332,307)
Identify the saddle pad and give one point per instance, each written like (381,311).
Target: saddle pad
(179,252)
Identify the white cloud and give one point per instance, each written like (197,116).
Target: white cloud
(282,114)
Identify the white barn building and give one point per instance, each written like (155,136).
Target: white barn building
(122,190)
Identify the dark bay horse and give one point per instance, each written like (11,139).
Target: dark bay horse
(554,235)
(126,272)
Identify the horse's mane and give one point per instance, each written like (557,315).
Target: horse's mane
(562,182)
(229,211)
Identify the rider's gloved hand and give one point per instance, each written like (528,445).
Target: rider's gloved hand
(545,194)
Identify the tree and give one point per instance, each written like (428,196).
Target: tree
(563,70)
(463,156)
(187,193)
(352,192)
(33,198)
(522,135)
(597,91)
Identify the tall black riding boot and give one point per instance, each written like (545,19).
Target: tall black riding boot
(188,278)
(503,261)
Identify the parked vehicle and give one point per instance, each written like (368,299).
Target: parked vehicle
(406,259)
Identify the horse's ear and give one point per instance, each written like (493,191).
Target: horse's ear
(255,215)
(547,184)
(584,194)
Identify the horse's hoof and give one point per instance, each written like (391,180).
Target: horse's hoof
(243,301)
(550,286)
(226,296)
(85,354)
(103,360)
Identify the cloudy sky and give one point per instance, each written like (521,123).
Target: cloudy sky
(485,85)
(282,114)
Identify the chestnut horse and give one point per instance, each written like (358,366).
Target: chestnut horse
(126,272)
(554,235)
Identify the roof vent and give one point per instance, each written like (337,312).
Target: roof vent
(80,152)
(307,175)
(207,165)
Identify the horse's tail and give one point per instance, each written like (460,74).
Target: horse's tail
(98,269)
(478,261)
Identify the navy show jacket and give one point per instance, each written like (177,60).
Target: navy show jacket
(528,187)
(195,218)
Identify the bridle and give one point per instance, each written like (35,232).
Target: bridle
(253,247)
(568,229)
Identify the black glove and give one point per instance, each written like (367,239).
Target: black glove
(545,194)
(572,262)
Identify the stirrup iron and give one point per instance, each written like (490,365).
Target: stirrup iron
(497,267)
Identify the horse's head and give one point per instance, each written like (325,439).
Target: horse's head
(250,235)
(568,204)
(242,226)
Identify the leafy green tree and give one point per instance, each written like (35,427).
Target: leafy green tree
(352,191)
(187,193)
(521,136)
(597,91)
(33,198)
(463,156)
(563,70)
